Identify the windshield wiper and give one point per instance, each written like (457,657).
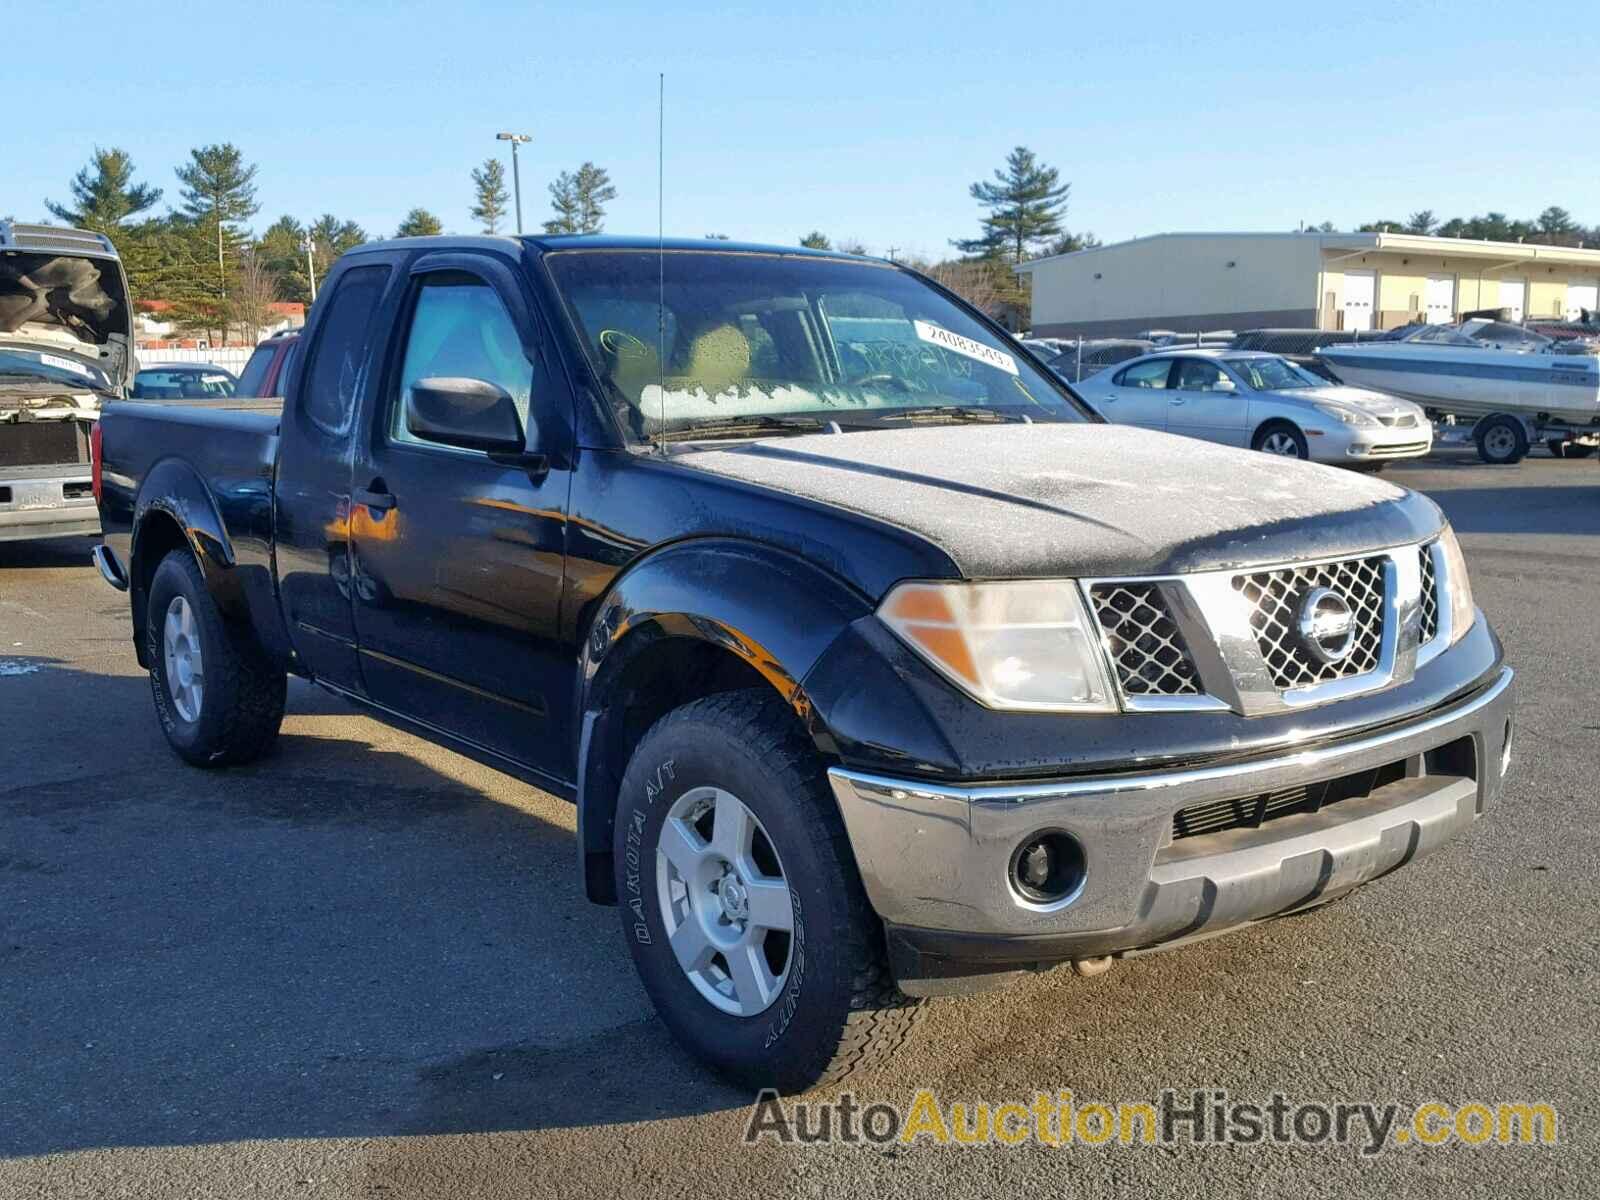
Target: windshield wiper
(960,413)
(747,426)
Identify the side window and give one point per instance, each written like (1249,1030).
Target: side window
(328,390)
(1152,374)
(460,329)
(254,375)
(1196,375)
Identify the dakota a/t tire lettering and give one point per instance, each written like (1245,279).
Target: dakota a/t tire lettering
(838,1008)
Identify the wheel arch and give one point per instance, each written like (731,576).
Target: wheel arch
(1268,422)
(692,620)
(175,510)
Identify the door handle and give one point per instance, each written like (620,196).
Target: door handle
(1109,399)
(1177,400)
(377,501)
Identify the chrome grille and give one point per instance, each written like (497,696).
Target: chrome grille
(1399,420)
(1143,641)
(1274,598)
(1429,604)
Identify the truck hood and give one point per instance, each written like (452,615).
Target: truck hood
(1018,501)
(66,326)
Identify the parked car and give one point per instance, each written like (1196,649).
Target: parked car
(183,381)
(1076,363)
(1263,401)
(877,666)
(268,368)
(66,338)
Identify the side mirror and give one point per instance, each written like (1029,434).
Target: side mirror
(1224,385)
(471,413)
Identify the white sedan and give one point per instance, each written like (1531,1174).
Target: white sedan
(1249,398)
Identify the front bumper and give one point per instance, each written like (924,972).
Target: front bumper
(1365,444)
(936,861)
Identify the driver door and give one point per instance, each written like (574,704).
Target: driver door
(459,558)
(1205,402)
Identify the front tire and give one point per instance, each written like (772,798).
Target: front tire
(725,834)
(219,701)
(1283,439)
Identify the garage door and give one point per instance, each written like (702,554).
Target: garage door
(1514,297)
(1360,290)
(1582,296)
(1440,299)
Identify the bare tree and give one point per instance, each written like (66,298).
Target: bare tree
(255,291)
(972,279)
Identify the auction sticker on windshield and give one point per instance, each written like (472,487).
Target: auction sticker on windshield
(965,346)
(64,364)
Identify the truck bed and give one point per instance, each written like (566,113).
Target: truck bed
(227,449)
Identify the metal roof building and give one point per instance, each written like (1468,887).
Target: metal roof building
(1192,282)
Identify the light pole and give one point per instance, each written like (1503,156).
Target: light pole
(311,264)
(516,139)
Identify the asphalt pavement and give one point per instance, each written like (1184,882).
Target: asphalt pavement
(363,966)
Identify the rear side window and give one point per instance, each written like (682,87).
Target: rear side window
(1152,374)
(329,388)
(254,374)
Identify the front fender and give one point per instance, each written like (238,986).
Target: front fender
(772,611)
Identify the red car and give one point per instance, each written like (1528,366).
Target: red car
(268,368)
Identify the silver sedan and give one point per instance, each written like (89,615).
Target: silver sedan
(1248,398)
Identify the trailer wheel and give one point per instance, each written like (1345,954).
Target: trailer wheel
(1502,441)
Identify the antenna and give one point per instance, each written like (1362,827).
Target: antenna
(661,255)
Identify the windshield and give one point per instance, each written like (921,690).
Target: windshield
(167,384)
(41,371)
(1273,374)
(749,344)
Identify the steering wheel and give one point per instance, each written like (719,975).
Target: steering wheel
(622,344)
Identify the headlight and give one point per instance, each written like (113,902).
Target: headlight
(1457,586)
(1025,645)
(1350,416)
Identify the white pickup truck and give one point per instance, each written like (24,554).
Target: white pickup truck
(66,343)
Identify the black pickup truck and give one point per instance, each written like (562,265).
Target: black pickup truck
(877,666)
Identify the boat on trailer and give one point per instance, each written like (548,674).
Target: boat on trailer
(1479,368)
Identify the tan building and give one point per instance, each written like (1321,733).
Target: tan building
(1204,281)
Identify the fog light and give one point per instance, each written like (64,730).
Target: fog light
(1048,868)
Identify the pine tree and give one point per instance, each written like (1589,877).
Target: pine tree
(564,200)
(331,237)
(1422,221)
(579,199)
(1026,202)
(219,194)
(419,222)
(816,240)
(104,193)
(594,193)
(489,181)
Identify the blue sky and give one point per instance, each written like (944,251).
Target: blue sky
(864,120)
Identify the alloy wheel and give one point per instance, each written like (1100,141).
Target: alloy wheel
(725,901)
(180,648)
